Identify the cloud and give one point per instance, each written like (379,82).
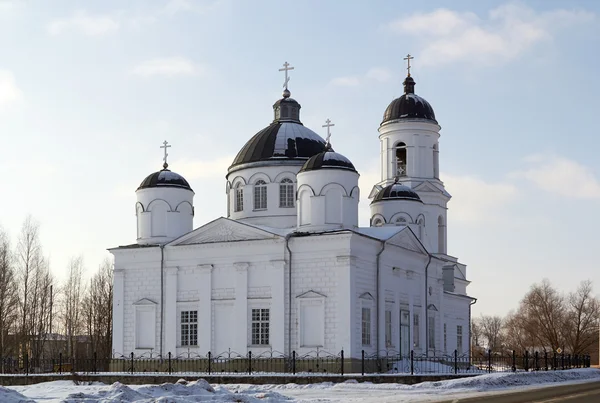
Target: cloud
(476,201)
(560,176)
(170,67)
(9,91)
(82,22)
(379,74)
(508,31)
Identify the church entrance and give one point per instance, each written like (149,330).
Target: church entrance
(404,333)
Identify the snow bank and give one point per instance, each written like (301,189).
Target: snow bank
(11,396)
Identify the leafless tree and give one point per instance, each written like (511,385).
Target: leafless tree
(491,328)
(97,310)
(9,301)
(582,319)
(71,304)
(543,311)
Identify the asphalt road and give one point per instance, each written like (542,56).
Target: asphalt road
(581,393)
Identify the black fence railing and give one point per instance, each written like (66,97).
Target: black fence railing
(318,362)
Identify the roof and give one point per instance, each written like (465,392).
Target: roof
(396,191)
(164,178)
(328,159)
(409,106)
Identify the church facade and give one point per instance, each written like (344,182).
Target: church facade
(289,269)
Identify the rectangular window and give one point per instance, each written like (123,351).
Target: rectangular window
(189,328)
(260,326)
(366,326)
(431,332)
(445,339)
(286,193)
(459,339)
(388,328)
(239,199)
(260,196)
(416,334)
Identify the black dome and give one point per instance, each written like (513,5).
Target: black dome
(409,105)
(285,138)
(396,191)
(328,159)
(164,178)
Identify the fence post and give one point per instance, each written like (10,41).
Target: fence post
(60,363)
(514,361)
(412,362)
(249,362)
(170,368)
(569,363)
(294,362)
(456,361)
(362,363)
(536,361)
(562,360)
(342,355)
(490,361)
(209,361)
(95,362)
(546,360)
(526,363)
(132,363)
(26,365)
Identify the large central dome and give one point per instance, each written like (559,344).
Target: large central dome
(284,139)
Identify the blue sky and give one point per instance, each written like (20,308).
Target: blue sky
(88,92)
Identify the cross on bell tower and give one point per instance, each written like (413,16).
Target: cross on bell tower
(165,146)
(408,58)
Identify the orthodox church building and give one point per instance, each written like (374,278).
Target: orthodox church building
(288,268)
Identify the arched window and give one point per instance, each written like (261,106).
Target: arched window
(239,197)
(421,227)
(377,222)
(436,161)
(260,195)
(401,221)
(400,159)
(286,193)
(441,235)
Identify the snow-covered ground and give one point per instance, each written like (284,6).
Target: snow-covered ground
(349,391)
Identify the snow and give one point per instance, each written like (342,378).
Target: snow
(350,391)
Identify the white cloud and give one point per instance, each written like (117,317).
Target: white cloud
(561,176)
(9,91)
(507,32)
(349,81)
(171,66)
(379,74)
(81,21)
(476,201)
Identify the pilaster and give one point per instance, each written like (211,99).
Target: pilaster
(278,305)
(204,307)
(170,330)
(240,338)
(118,311)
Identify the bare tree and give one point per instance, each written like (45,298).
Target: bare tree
(71,304)
(9,301)
(582,319)
(491,330)
(97,310)
(543,311)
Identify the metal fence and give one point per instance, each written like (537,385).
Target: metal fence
(316,362)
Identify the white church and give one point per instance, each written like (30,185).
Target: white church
(289,269)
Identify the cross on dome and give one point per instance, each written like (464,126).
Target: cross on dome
(408,58)
(328,125)
(165,146)
(285,69)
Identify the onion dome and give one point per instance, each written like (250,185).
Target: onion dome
(164,178)
(328,159)
(409,106)
(284,139)
(396,191)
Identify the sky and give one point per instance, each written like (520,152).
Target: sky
(90,90)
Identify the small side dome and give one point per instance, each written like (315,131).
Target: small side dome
(396,191)
(328,159)
(164,178)
(409,105)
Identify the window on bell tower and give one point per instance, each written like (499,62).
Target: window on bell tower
(400,159)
